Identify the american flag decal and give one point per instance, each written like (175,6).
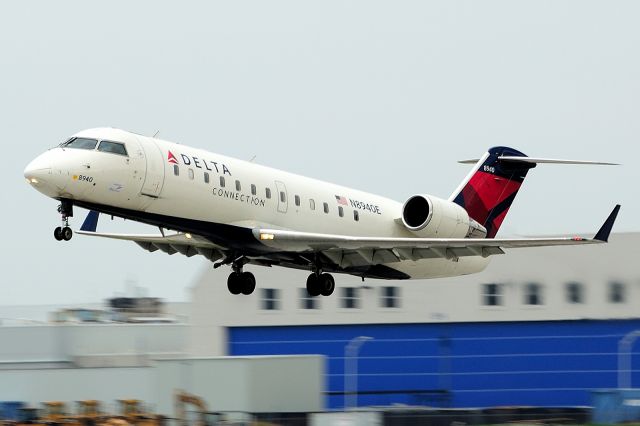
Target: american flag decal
(341,200)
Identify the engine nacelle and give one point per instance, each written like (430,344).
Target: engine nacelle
(432,217)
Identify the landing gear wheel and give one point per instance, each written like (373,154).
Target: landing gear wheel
(327,284)
(248,283)
(66,233)
(57,233)
(313,285)
(234,283)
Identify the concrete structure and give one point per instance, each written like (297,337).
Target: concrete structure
(240,384)
(532,329)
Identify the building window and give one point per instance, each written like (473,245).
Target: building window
(306,301)
(238,186)
(283,197)
(533,294)
(206,177)
(356,215)
(616,292)
(267,193)
(492,295)
(326,207)
(222,182)
(254,191)
(191,174)
(350,298)
(270,299)
(312,204)
(176,170)
(575,292)
(390,297)
(297,200)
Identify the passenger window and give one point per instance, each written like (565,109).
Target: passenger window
(340,211)
(238,186)
(297,199)
(283,196)
(191,174)
(356,215)
(81,143)
(206,177)
(112,147)
(267,192)
(221,181)
(176,170)
(326,207)
(253,189)
(312,204)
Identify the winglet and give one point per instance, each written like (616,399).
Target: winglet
(605,230)
(90,224)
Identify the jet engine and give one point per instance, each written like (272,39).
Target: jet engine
(431,217)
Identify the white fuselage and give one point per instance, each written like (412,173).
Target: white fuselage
(160,179)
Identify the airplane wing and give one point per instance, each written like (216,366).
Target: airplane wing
(178,242)
(343,250)
(354,251)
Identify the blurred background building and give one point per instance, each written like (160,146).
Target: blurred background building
(539,327)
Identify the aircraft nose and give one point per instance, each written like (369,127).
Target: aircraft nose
(37,170)
(39,175)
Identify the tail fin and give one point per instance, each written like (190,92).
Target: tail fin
(488,191)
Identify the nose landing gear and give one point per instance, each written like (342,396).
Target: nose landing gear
(64,232)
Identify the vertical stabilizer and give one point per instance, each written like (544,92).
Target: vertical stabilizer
(488,191)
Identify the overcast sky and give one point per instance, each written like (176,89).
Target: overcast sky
(381,96)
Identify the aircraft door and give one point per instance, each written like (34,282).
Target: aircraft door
(154,176)
(283,201)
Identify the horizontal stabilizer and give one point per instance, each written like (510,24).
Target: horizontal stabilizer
(554,161)
(532,160)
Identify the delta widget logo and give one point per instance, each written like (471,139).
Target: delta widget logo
(172,158)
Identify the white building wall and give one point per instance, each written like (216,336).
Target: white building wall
(66,342)
(457,299)
(247,384)
(35,386)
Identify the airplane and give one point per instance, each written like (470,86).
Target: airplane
(235,212)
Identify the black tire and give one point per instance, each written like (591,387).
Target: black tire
(57,233)
(67,233)
(248,283)
(313,285)
(234,283)
(327,284)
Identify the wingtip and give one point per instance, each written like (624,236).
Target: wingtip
(607,226)
(90,224)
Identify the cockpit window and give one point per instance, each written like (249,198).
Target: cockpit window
(81,143)
(112,147)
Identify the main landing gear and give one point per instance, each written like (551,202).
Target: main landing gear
(239,281)
(320,284)
(64,232)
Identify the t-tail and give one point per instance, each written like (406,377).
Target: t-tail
(489,190)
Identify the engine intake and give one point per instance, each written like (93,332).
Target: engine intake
(431,217)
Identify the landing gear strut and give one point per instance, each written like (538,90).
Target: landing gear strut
(239,281)
(64,232)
